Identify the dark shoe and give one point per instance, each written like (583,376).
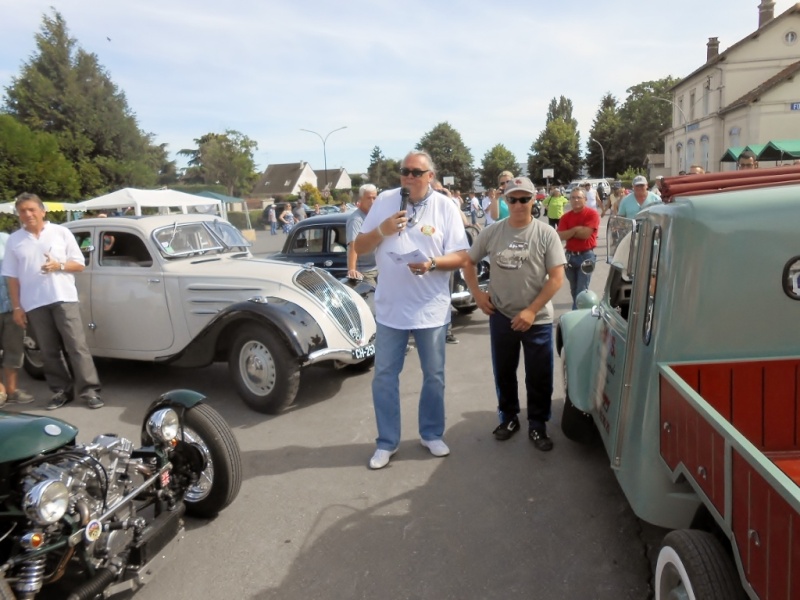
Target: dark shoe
(58,400)
(95,402)
(506,429)
(451,339)
(540,439)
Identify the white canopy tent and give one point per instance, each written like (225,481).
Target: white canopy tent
(164,200)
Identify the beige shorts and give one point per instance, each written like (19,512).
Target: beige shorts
(11,336)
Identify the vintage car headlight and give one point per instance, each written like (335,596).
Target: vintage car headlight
(46,502)
(163,425)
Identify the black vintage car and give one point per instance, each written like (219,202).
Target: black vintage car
(322,241)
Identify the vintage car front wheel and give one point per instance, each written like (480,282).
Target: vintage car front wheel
(693,564)
(219,483)
(265,374)
(32,362)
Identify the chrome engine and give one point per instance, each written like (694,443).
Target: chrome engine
(101,479)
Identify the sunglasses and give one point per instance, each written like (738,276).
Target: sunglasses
(523,200)
(413,172)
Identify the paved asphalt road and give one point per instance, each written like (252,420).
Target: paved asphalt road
(492,520)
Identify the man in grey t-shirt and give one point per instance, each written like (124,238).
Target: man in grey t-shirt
(361,266)
(527,267)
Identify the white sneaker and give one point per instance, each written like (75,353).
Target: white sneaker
(437,447)
(381,458)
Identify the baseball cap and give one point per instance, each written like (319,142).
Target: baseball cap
(520,184)
(639,180)
(617,185)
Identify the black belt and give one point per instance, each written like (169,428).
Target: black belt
(569,253)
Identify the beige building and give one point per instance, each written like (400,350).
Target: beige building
(748,94)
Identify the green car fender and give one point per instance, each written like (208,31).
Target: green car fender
(575,342)
(179,400)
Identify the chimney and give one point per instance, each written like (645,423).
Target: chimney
(766,11)
(712,48)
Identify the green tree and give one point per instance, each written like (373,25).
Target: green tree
(643,118)
(494,162)
(383,173)
(225,158)
(606,130)
(558,146)
(64,91)
(30,161)
(555,148)
(312,194)
(451,156)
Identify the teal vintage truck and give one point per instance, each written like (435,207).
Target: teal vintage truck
(688,368)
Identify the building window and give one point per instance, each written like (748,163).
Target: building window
(790,37)
(680,109)
(707,99)
(691,105)
(734,137)
(704,152)
(689,153)
(679,154)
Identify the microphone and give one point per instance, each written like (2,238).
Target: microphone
(404,193)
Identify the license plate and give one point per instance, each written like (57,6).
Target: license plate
(364,352)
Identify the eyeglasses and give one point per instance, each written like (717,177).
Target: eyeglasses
(405,172)
(502,183)
(523,200)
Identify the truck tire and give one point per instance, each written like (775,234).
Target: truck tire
(576,425)
(693,564)
(263,370)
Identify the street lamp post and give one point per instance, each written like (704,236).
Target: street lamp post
(324,152)
(603,154)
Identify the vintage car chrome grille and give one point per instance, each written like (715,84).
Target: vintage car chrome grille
(334,298)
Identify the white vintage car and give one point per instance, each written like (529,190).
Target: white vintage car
(185,290)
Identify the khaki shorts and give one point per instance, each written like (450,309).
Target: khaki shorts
(11,336)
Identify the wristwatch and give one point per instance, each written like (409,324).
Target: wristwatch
(61,266)
(432,268)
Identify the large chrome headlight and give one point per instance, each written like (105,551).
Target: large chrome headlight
(163,425)
(46,502)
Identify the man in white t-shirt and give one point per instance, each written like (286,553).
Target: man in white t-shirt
(40,259)
(591,195)
(412,298)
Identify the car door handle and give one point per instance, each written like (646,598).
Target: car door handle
(153,280)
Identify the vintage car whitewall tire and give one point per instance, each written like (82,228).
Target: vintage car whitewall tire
(220,481)
(264,372)
(692,564)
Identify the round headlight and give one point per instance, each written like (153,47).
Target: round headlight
(163,425)
(46,502)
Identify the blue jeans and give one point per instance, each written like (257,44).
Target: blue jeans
(390,353)
(578,280)
(537,346)
(273,228)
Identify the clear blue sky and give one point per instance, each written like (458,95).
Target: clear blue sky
(389,71)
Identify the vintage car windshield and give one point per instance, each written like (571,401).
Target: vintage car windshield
(189,239)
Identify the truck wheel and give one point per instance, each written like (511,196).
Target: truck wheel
(692,564)
(265,374)
(219,483)
(577,425)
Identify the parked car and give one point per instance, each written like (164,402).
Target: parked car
(98,519)
(322,241)
(687,370)
(185,290)
(324,209)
